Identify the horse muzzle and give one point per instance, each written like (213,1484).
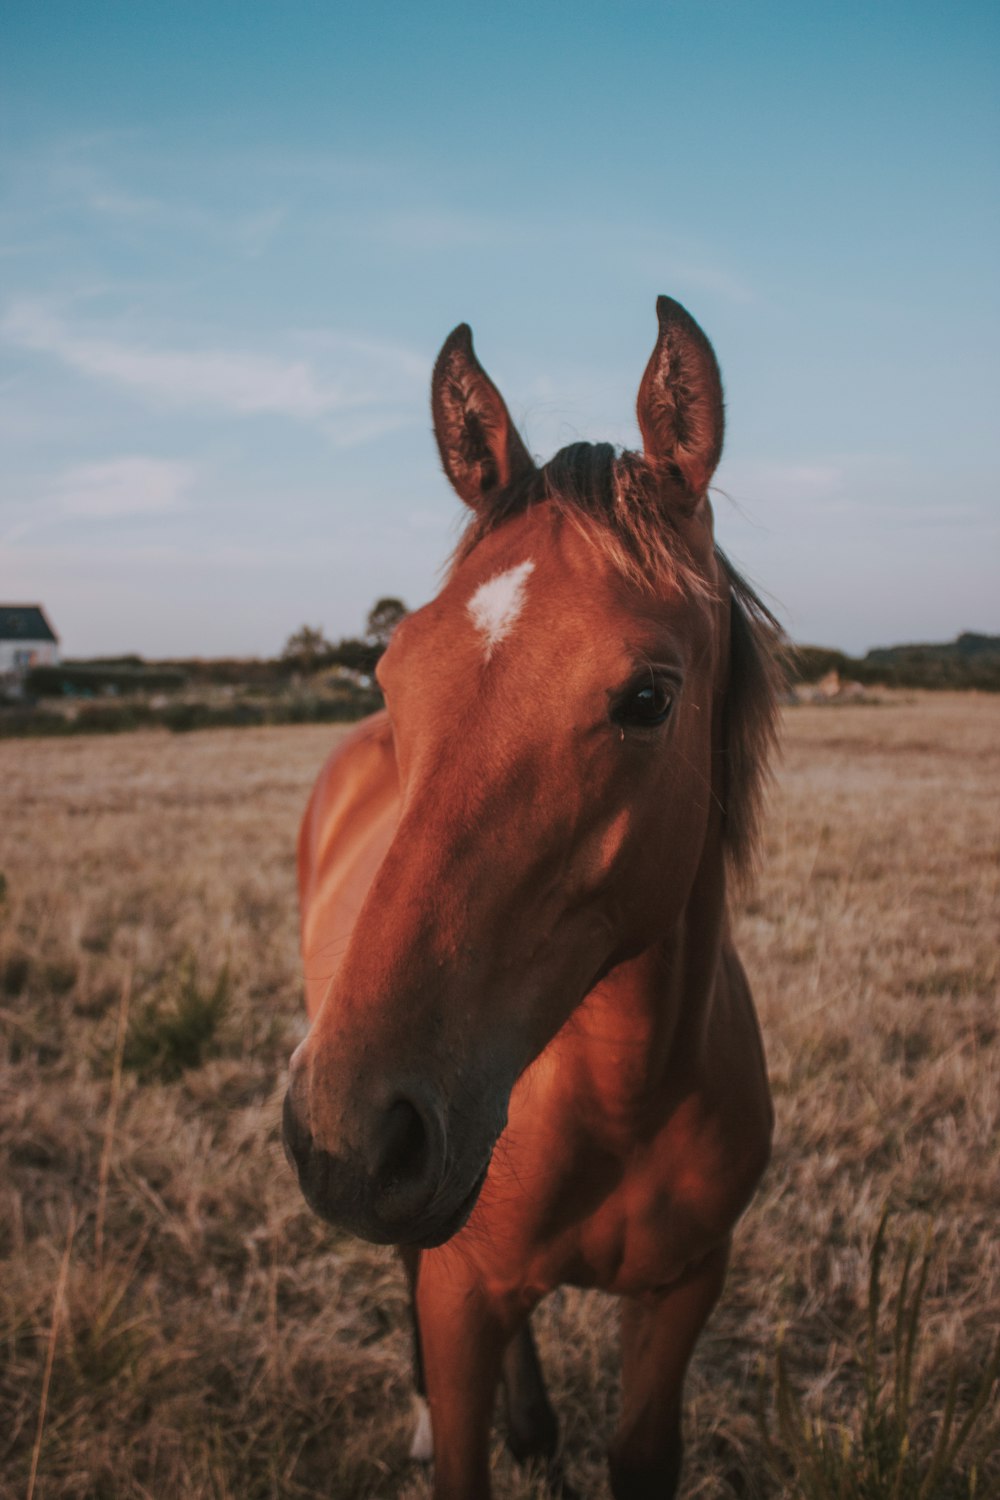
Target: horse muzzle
(396,1185)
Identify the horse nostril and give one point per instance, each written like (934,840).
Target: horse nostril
(408,1157)
(405,1146)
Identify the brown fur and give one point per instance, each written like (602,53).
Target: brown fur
(537,1060)
(481,449)
(680,405)
(618,503)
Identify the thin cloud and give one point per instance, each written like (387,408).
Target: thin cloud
(377,352)
(129,486)
(246,384)
(126,486)
(238,382)
(779,483)
(250,233)
(121,205)
(74,176)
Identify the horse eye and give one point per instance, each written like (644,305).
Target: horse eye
(646,706)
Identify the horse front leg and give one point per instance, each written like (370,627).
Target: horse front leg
(658,1339)
(422,1445)
(462,1335)
(532,1425)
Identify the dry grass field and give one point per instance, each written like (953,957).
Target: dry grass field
(174,1323)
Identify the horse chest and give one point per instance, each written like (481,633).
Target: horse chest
(641,1239)
(626,1224)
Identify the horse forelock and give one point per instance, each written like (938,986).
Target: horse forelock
(614,498)
(616,501)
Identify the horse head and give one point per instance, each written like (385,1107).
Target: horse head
(559,729)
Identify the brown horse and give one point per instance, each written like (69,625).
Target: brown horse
(534,1057)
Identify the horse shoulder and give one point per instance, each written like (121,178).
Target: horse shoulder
(347,827)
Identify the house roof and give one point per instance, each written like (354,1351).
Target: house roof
(25,622)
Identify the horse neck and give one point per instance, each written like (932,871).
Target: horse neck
(645,1025)
(663,997)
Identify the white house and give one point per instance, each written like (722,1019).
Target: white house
(26,640)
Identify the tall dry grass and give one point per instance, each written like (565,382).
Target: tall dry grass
(173,1322)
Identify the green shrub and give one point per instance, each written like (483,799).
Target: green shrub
(333,710)
(183,717)
(21,723)
(111,718)
(882,1452)
(172,1032)
(810,663)
(87,679)
(346,704)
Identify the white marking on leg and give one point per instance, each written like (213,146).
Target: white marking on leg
(496,604)
(422,1447)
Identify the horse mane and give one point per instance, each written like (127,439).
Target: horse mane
(614,498)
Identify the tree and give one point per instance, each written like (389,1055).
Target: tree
(307,647)
(383,617)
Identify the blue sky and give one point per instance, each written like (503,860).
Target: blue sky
(233,237)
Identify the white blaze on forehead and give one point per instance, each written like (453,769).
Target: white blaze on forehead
(496,604)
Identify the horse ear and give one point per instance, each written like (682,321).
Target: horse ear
(680,406)
(480,447)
